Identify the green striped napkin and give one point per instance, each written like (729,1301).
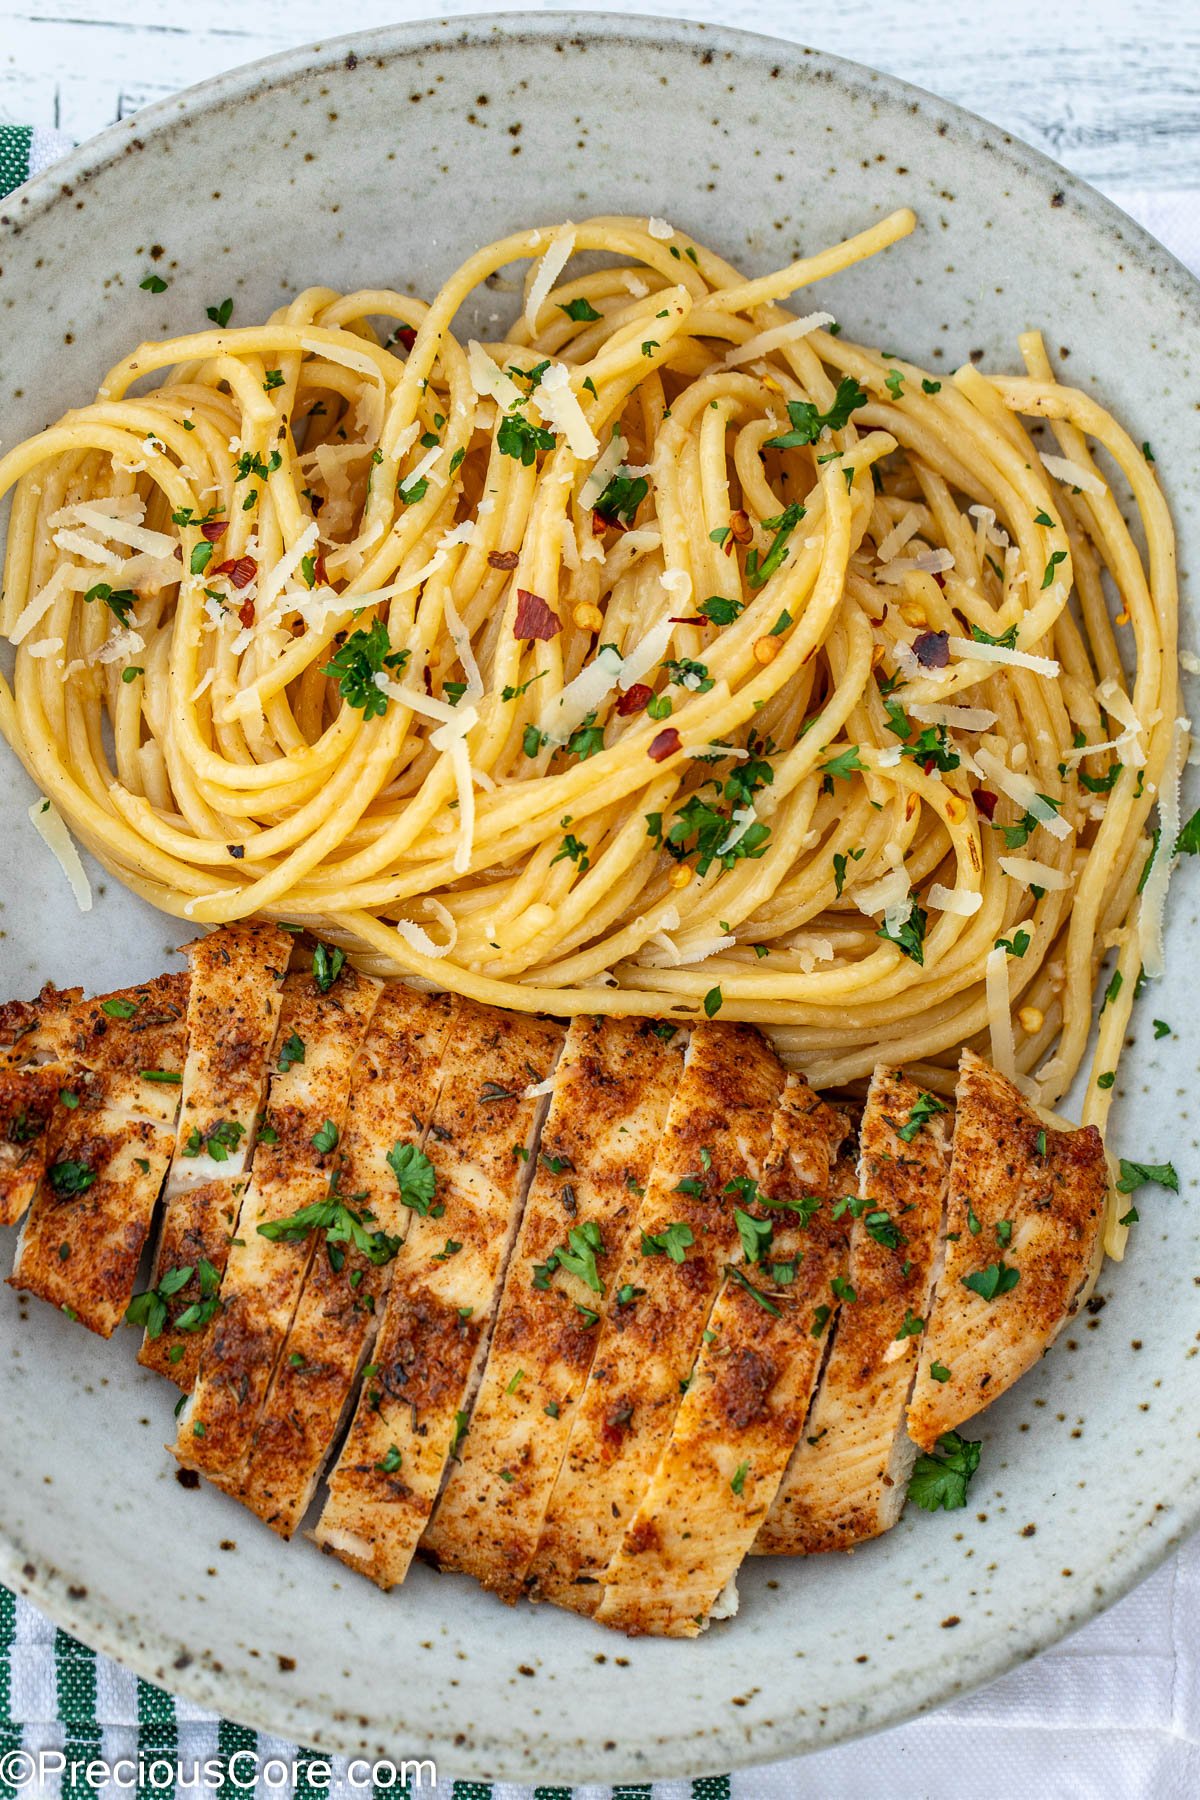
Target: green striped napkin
(56,1695)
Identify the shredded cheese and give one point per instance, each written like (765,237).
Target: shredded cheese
(602,472)
(999,1007)
(659,228)
(1072,474)
(559,406)
(998,653)
(1031,873)
(765,341)
(557,255)
(593,684)
(1021,791)
(489,380)
(48,823)
(1154,894)
(965,902)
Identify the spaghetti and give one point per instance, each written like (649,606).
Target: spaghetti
(673,654)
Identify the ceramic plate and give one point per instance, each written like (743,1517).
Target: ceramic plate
(381,160)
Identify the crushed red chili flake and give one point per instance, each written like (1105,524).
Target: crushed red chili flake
(690,619)
(320,573)
(241,570)
(985,801)
(600,524)
(932,649)
(406,335)
(503,559)
(535,619)
(633,700)
(246,614)
(740,529)
(212,529)
(664,745)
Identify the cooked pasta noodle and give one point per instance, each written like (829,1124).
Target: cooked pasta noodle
(672,653)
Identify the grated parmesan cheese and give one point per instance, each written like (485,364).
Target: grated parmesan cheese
(659,228)
(999,1007)
(888,895)
(462,643)
(774,339)
(963,718)
(48,823)
(997,653)
(646,655)
(559,406)
(965,902)
(1071,474)
(1154,894)
(593,684)
(926,562)
(602,472)
(557,255)
(1031,873)
(44,647)
(1021,791)
(489,380)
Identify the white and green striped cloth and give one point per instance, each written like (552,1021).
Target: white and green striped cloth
(1114,1710)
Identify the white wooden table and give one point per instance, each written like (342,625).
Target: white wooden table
(1109,87)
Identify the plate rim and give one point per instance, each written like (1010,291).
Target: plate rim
(901,1694)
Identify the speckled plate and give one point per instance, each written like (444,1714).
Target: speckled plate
(381,160)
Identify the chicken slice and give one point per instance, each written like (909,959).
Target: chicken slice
(746,1401)
(108,1145)
(718,1130)
(847,1478)
(317,1042)
(32,1036)
(28,1098)
(395,1092)
(413,1408)
(612,1088)
(233,1010)
(1023,1225)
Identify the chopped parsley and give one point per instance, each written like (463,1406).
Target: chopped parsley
(354,667)
(910,936)
(68,1178)
(1135,1175)
(220,315)
(758,573)
(415,1178)
(521,440)
(998,1278)
(673,1241)
(924,1109)
(327,965)
(808,422)
(119,601)
(581,311)
(941,1482)
(340,1224)
(290,1051)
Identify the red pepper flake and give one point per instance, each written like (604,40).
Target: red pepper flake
(691,619)
(503,559)
(320,572)
(985,802)
(246,614)
(664,745)
(634,700)
(535,619)
(240,572)
(600,524)
(740,528)
(406,335)
(932,649)
(213,528)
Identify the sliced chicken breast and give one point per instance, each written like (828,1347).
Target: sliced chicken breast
(28,1098)
(396,1085)
(233,1010)
(108,1145)
(1023,1243)
(847,1478)
(612,1088)
(718,1131)
(317,1043)
(415,1404)
(748,1394)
